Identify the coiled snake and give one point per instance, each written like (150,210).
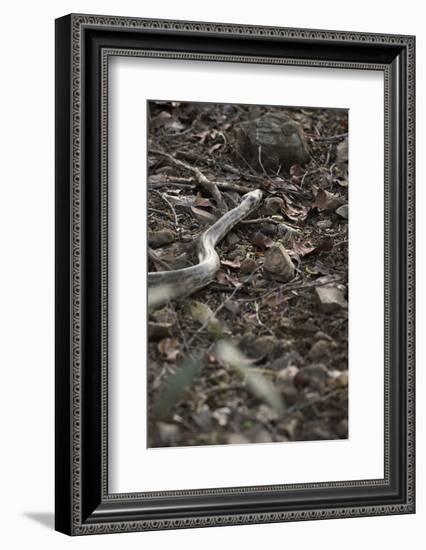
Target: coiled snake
(164,286)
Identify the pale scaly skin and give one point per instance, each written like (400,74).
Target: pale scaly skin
(164,286)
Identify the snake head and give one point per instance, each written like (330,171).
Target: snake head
(253,198)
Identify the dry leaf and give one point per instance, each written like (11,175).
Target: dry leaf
(235,264)
(169,348)
(261,241)
(296,170)
(201,201)
(324,200)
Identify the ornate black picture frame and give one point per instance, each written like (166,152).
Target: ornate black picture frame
(84,44)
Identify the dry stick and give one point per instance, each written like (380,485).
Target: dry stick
(152,255)
(289,288)
(261,323)
(169,204)
(225,185)
(262,220)
(210,186)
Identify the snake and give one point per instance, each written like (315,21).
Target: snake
(164,286)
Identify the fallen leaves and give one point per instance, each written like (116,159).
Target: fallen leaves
(169,348)
(324,200)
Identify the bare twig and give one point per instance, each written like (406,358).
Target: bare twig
(170,205)
(210,186)
(152,255)
(189,183)
(261,323)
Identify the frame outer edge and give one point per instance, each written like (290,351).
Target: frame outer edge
(77,22)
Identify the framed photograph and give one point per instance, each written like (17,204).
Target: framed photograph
(234,274)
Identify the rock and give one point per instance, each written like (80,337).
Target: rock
(232,239)
(313,431)
(342,151)
(343,379)
(320,350)
(161,238)
(278,264)
(291,425)
(288,373)
(313,377)
(330,299)
(248,266)
(273,205)
(322,336)
(258,348)
(258,434)
(287,359)
(266,414)
(236,439)
(342,429)
(158,331)
(168,433)
(233,308)
(268,229)
(343,211)
(324,224)
(202,314)
(221,415)
(285,383)
(278,141)
(286,232)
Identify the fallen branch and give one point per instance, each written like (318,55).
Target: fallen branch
(208,185)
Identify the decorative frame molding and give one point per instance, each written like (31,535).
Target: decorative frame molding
(84,43)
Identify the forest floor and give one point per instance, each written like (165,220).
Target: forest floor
(291,380)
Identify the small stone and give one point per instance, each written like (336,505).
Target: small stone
(286,232)
(322,336)
(202,314)
(343,211)
(330,299)
(343,379)
(342,429)
(266,414)
(158,331)
(248,266)
(288,373)
(233,308)
(221,415)
(268,229)
(313,377)
(168,433)
(291,425)
(320,350)
(273,205)
(161,238)
(342,151)
(278,264)
(257,348)
(236,439)
(232,239)
(324,224)
(258,434)
(287,359)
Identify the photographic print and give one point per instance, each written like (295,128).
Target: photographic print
(247,273)
(204,239)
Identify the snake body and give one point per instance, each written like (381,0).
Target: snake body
(164,286)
